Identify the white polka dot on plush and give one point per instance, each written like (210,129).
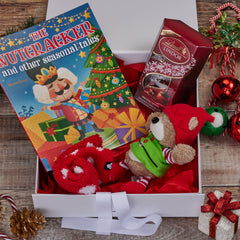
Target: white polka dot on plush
(91,160)
(90,189)
(64,172)
(77,170)
(74,152)
(99,149)
(89,144)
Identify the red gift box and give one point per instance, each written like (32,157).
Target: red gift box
(177,58)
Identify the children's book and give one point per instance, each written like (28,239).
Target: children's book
(64,84)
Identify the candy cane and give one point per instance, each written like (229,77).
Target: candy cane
(10,200)
(212,101)
(232,68)
(4,236)
(230,53)
(14,208)
(238,107)
(219,13)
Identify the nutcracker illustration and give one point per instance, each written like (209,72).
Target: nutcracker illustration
(57,86)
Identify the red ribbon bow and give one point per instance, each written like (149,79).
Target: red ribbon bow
(219,207)
(50,130)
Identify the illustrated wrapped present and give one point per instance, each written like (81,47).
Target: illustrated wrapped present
(108,136)
(55,129)
(106,118)
(71,135)
(31,126)
(132,125)
(219,217)
(92,107)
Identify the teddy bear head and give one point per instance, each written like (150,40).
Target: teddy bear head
(162,128)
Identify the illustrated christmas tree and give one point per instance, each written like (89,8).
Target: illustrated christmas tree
(107,83)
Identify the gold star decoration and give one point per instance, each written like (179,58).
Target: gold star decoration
(59,21)
(57,30)
(86,14)
(127,92)
(20,42)
(11,43)
(106,85)
(71,19)
(91,62)
(82,54)
(3,48)
(108,78)
(114,103)
(103,49)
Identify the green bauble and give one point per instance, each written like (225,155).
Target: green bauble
(219,124)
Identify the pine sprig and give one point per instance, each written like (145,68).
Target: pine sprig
(226,33)
(26,24)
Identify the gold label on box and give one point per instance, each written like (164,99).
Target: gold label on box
(174,50)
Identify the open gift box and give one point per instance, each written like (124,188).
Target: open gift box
(180,204)
(167,204)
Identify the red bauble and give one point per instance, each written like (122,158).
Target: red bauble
(234,127)
(226,88)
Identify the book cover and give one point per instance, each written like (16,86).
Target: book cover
(64,84)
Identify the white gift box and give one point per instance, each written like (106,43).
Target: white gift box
(130,28)
(224,229)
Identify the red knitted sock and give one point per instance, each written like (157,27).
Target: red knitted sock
(138,186)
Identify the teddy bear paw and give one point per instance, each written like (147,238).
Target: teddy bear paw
(183,153)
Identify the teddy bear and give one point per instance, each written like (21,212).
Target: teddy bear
(169,141)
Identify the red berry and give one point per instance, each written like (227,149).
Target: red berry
(210,31)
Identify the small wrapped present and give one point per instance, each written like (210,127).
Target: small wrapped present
(219,217)
(55,129)
(31,126)
(106,118)
(132,125)
(108,136)
(71,135)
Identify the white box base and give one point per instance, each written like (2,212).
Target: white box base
(167,205)
(142,205)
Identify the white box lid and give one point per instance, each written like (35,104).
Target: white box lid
(131,25)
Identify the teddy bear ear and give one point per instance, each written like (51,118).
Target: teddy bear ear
(193,123)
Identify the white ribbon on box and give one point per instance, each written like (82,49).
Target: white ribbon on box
(105,224)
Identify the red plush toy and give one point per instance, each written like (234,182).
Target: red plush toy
(84,166)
